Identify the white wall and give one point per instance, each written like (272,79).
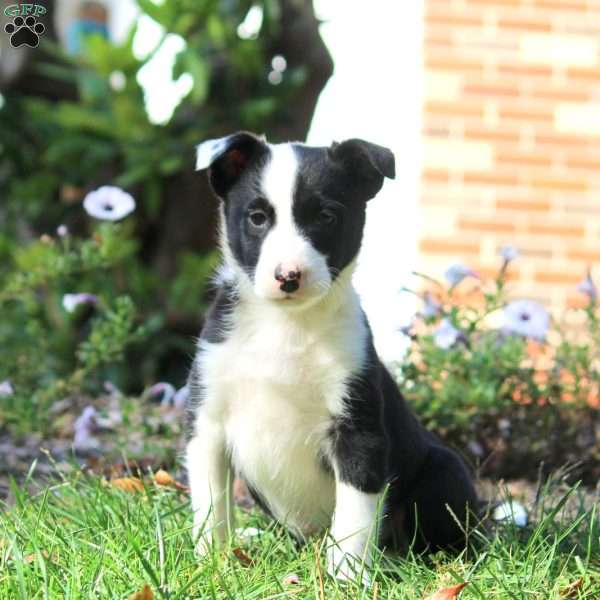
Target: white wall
(375,94)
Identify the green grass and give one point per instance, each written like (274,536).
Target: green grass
(78,538)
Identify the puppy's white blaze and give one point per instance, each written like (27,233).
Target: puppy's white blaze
(285,242)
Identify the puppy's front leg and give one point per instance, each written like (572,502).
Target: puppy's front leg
(353,529)
(210,479)
(359,453)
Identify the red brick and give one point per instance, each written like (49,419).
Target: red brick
(559,183)
(516,158)
(491,90)
(556,229)
(490,179)
(439,246)
(527,114)
(491,135)
(588,256)
(565,5)
(450,63)
(522,205)
(450,19)
(454,108)
(524,24)
(435,175)
(518,69)
(487,226)
(592,73)
(561,140)
(557,277)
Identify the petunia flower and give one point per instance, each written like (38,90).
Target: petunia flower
(526,318)
(446,335)
(84,427)
(457,272)
(6,389)
(163,390)
(431,308)
(181,397)
(511,511)
(109,203)
(509,253)
(588,287)
(71,301)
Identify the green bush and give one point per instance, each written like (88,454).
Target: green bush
(499,379)
(53,152)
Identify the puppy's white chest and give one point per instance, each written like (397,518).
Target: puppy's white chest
(277,390)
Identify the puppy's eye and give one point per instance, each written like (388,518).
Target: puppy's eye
(258,218)
(327,218)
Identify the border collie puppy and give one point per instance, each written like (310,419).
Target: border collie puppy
(287,390)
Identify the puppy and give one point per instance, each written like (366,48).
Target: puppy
(287,390)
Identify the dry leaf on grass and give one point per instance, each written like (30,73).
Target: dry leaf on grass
(449,593)
(291,579)
(162,477)
(144,594)
(29,558)
(127,484)
(571,590)
(243,557)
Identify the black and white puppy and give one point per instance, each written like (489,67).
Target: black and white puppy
(287,390)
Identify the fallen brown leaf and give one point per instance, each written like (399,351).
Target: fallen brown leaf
(163,477)
(449,593)
(243,557)
(127,484)
(144,594)
(29,558)
(291,579)
(570,591)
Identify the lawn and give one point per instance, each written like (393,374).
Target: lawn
(79,537)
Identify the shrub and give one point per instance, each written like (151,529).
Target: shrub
(497,378)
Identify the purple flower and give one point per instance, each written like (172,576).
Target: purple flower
(71,301)
(84,427)
(457,272)
(446,335)
(62,231)
(509,253)
(588,287)
(526,318)
(109,203)
(163,390)
(431,308)
(181,397)
(6,389)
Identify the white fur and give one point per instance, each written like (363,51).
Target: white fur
(275,385)
(353,530)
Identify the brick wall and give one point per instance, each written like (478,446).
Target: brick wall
(511,130)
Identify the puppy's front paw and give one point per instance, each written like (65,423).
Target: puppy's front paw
(346,567)
(204,546)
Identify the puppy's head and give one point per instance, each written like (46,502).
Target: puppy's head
(294,215)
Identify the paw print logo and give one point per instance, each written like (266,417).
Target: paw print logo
(25,32)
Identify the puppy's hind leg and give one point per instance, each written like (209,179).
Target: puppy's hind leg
(442,503)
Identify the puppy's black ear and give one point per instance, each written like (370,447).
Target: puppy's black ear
(228,157)
(367,163)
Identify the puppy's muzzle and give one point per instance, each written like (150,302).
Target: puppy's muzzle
(288,277)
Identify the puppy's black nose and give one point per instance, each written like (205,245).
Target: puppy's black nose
(288,277)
